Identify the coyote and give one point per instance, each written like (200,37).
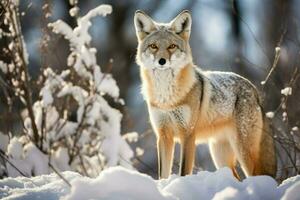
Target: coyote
(191,106)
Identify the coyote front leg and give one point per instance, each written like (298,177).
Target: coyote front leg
(165,151)
(187,154)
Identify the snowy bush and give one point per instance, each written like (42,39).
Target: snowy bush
(71,126)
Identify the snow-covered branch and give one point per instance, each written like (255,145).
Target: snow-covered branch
(88,142)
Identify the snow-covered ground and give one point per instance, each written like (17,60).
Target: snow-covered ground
(120,183)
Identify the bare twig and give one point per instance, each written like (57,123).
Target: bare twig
(59,174)
(277,55)
(2,154)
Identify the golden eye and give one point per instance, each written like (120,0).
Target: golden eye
(153,46)
(172,46)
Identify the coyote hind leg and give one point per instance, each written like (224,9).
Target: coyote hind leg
(223,155)
(246,142)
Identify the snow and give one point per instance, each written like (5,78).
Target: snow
(277,49)
(3,67)
(108,85)
(37,161)
(116,183)
(270,114)
(52,82)
(15,148)
(28,159)
(84,55)
(73,2)
(131,137)
(4,140)
(292,193)
(263,82)
(84,22)
(16,158)
(40,187)
(120,183)
(74,11)
(139,151)
(61,159)
(284,116)
(286,91)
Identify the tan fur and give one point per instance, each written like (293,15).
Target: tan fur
(205,128)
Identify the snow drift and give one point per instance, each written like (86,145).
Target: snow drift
(120,183)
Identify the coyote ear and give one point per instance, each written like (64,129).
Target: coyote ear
(182,24)
(144,25)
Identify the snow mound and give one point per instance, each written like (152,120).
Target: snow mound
(44,187)
(120,183)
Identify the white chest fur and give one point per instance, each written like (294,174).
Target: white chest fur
(164,85)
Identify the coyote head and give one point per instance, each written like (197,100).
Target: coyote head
(163,45)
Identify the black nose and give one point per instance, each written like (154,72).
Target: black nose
(162,61)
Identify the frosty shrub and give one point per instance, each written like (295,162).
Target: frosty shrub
(71,126)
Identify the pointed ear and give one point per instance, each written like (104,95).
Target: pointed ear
(182,24)
(144,25)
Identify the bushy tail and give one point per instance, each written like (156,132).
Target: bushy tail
(267,155)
